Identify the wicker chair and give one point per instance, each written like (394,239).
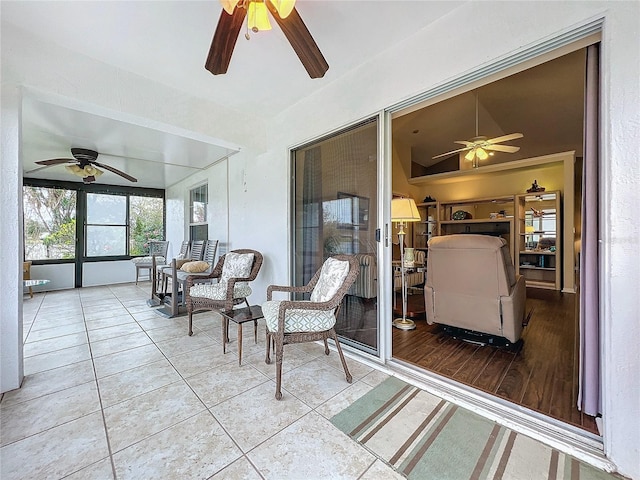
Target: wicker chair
(309,320)
(157,256)
(229,291)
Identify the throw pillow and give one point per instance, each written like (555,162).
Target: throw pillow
(195,267)
(331,278)
(181,261)
(236,265)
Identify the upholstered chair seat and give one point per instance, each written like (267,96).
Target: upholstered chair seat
(218,291)
(297,319)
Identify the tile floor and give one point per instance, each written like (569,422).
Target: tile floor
(114,390)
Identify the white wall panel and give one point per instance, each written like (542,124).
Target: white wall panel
(106,273)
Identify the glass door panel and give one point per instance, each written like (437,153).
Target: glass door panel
(335,211)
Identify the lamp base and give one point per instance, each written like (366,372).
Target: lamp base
(404,324)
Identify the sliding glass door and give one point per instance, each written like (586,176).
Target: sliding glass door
(335,211)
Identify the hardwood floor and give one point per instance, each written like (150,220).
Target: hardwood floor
(541,373)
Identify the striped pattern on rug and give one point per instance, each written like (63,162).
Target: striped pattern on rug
(424,437)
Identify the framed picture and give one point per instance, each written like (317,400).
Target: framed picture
(354,211)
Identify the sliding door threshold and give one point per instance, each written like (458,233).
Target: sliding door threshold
(566,438)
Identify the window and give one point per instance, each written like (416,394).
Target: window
(49,223)
(198,228)
(146,223)
(106,225)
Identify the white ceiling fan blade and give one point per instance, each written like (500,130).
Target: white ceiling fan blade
(466,144)
(505,138)
(502,148)
(451,153)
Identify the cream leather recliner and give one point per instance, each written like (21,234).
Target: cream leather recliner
(471,284)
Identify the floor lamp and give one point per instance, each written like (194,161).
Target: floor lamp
(403,210)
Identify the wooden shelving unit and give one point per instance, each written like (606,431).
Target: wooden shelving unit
(428,226)
(538,231)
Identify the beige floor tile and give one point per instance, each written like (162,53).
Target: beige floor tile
(292,360)
(48,333)
(313,448)
(125,385)
(201,360)
(126,360)
(109,322)
(167,333)
(375,378)
(59,358)
(44,321)
(184,344)
(148,315)
(357,369)
(195,448)
(56,452)
(241,469)
(255,415)
(221,383)
(97,312)
(119,344)
(49,381)
(158,321)
(142,416)
(101,470)
(53,344)
(113,332)
(315,382)
(381,470)
(342,400)
(101,303)
(24,419)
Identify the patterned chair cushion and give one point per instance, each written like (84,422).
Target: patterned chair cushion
(331,278)
(236,265)
(298,320)
(218,291)
(195,267)
(148,260)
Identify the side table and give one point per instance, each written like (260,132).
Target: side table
(240,316)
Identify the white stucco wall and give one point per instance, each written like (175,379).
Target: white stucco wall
(256,180)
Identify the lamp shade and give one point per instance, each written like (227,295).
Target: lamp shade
(258,20)
(404,210)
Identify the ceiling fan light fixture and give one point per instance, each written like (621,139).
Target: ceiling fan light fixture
(283,7)
(258,20)
(87,171)
(481,154)
(229,5)
(470,155)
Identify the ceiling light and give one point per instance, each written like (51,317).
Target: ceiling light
(481,154)
(83,172)
(283,7)
(257,17)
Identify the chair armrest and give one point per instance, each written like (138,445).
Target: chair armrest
(513,309)
(286,288)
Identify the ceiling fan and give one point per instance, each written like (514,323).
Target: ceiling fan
(84,165)
(285,15)
(477,146)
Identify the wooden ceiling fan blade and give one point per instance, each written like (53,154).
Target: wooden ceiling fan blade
(116,171)
(56,161)
(505,138)
(502,148)
(37,169)
(224,41)
(451,152)
(302,42)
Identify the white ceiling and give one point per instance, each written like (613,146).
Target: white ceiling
(168,42)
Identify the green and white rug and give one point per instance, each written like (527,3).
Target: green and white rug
(424,437)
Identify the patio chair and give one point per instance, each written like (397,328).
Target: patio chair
(233,271)
(310,320)
(174,299)
(157,253)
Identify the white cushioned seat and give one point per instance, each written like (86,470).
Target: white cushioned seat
(148,260)
(218,291)
(298,320)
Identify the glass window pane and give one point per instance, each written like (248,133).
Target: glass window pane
(106,209)
(198,204)
(335,212)
(106,240)
(49,223)
(145,222)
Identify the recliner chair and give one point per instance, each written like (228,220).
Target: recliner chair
(472,286)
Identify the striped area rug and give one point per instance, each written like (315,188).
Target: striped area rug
(424,437)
